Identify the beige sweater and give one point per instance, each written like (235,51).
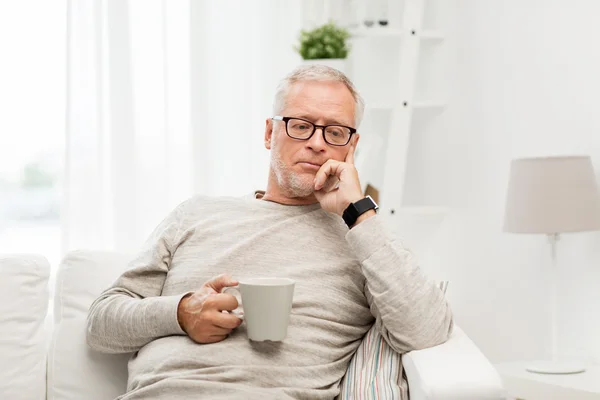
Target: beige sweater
(345,281)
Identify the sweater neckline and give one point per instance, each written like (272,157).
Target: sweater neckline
(256,199)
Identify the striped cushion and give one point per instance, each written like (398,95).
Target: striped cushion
(375,371)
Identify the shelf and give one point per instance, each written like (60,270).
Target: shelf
(433,107)
(424,211)
(430,106)
(377,32)
(380,107)
(428,112)
(432,35)
(415,225)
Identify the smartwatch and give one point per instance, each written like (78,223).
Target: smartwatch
(357,209)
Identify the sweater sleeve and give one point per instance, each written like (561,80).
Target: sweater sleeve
(132,312)
(411,311)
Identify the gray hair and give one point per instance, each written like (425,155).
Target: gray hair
(317,73)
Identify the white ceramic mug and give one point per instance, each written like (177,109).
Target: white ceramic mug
(267,304)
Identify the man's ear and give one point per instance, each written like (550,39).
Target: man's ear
(268,133)
(356,137)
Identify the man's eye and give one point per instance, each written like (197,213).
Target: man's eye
(335,132)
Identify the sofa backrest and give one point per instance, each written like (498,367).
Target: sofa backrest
(23,344)
(76,372)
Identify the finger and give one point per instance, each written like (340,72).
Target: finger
(350,155)
(214,339)
(226,321)
(220,302)
(221,281)
(218,331)
(331,183)
(331,167)
(319,195)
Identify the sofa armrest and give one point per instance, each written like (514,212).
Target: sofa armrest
(455,370)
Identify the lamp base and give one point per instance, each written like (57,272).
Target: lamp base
(555,367)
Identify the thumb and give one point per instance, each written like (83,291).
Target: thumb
(221,281)
(320,194)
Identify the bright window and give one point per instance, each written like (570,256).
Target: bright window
(32,125)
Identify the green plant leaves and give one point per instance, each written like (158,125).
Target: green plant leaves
(327,41)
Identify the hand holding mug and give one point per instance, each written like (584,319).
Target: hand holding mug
(200,314)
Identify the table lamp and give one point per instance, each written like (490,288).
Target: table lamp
(551,196)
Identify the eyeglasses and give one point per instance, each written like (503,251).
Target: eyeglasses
(301,129)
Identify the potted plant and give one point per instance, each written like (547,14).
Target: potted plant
(326,44)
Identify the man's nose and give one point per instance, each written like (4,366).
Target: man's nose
(317,142)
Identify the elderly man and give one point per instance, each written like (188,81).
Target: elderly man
(311,224)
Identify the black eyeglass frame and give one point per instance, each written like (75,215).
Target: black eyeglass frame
(315,126)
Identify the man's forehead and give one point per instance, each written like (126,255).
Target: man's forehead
(332,101)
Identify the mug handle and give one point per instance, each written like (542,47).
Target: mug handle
(238,312)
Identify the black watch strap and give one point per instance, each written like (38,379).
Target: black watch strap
(355,210)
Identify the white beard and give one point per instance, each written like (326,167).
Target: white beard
(290,182)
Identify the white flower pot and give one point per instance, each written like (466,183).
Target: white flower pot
(341,64)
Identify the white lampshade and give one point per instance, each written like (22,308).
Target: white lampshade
(552,195)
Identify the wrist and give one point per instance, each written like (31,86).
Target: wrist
(364,217)
(359,211)
(181,311)
(352,200)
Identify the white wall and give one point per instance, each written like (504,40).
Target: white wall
(526,82)
(239,52)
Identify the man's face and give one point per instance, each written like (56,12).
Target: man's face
(294,163)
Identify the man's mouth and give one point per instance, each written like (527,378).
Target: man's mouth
(309,165)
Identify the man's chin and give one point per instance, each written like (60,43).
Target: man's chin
(302,191)
(298,183)
(303,188)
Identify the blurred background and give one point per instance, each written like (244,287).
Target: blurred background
(112,112)
(32,125)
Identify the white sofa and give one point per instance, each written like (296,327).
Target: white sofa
(46,355)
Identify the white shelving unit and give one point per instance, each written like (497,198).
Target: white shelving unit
(387,64)
(400,131)
(393,107)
